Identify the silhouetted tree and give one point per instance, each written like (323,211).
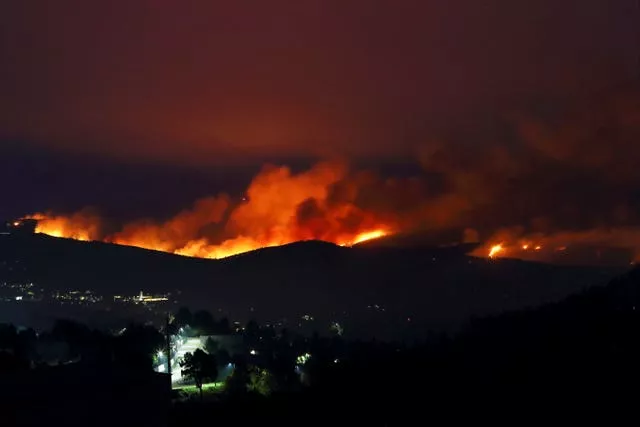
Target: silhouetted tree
(236,383)
(204,322)
(75,334)
(199,366)
(8,337)
(27,335)
(12,350)
(183,317)
(223,357)
(137,345)
(252,332)
(282,366)
(27,339)
(11,362)
(223,327)
(211,346)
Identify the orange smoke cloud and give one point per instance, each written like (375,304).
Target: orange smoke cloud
(565,181)
(280,207)
(177,232)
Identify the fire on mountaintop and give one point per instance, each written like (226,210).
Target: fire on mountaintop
(280,207)
(596,246)
(329,203)
(495,250)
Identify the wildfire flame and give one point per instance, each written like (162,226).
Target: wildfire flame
(365,236)
(78,226)
(496,250)
(279,208)
(574,247)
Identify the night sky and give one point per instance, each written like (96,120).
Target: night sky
(500,113)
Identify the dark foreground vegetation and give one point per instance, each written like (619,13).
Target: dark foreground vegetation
(579,355)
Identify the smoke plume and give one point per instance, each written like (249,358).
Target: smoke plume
(537,184)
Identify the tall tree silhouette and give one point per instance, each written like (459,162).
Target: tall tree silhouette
(199,366)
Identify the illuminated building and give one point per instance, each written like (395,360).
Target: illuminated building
(142,298)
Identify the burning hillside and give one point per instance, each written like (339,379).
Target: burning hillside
(280,207)
(535,189)
(596,246)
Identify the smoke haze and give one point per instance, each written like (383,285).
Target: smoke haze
(573,181)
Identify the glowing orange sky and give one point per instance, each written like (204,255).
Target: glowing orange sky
(160,79)
(511,114)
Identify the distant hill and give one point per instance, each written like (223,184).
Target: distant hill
(371,288)
(585,343)
(417,287)
(66,264)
